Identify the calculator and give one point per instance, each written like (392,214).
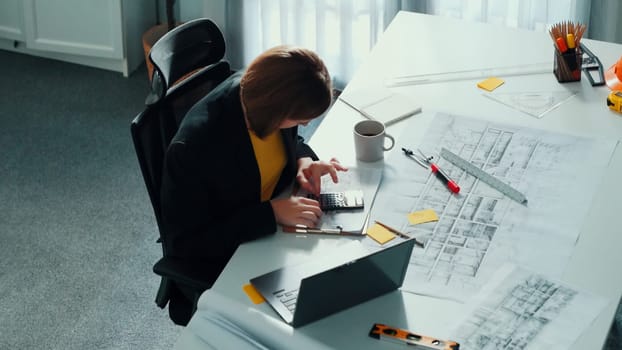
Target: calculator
(340,200)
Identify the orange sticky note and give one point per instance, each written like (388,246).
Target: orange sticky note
(490,83)
(253,294)
(422,216)
(380,234)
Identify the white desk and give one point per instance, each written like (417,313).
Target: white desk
(419,44)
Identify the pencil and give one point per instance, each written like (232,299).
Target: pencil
(399,233)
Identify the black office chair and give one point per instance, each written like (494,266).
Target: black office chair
(188,63)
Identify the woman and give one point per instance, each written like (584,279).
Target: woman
(236,154)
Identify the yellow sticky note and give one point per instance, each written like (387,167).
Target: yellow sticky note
(490,83)
(380,234)
(253,294)
(422,216)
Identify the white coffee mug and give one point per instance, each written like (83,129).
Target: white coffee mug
(370,139)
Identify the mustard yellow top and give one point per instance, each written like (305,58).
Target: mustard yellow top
(270,155)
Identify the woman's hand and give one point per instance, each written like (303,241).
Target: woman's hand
(310,172)
(294,211)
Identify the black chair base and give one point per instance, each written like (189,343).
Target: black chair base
(180,307)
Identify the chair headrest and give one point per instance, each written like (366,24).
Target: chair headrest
(184,49)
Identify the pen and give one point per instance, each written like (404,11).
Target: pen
(561,45)
(438,172)
(326,231)
(399,233)
(572,61)
(570,41)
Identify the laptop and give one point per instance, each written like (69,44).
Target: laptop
(307,292)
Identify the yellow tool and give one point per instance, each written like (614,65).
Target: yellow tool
(614,101)
(396,335)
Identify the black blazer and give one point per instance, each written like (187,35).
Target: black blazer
(211,183)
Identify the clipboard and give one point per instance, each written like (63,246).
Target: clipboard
(346,222)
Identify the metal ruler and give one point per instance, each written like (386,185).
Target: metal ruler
(484,176)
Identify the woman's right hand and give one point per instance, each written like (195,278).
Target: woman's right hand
(294,211)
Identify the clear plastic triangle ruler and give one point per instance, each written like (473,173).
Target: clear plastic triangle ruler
(536,104)
(484,176)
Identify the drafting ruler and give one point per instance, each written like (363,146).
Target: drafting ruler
(590,63)
(484,176)
(431,78)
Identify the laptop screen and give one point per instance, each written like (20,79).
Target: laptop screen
(352,283)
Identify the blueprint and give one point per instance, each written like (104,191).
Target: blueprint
(480,229)
(519,309)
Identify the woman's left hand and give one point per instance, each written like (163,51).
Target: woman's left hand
(310,172)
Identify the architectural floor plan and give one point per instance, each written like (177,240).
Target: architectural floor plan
(480,229)
(524,310)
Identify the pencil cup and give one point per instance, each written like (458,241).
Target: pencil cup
(370,140)
(567,65)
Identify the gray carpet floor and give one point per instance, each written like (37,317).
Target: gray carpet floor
(77,233)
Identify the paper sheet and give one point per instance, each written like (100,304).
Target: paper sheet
(382,104)
(253,294)
(480,229)
(490,84)
(380,234)
(222,323)
(422,216)
(519,309)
